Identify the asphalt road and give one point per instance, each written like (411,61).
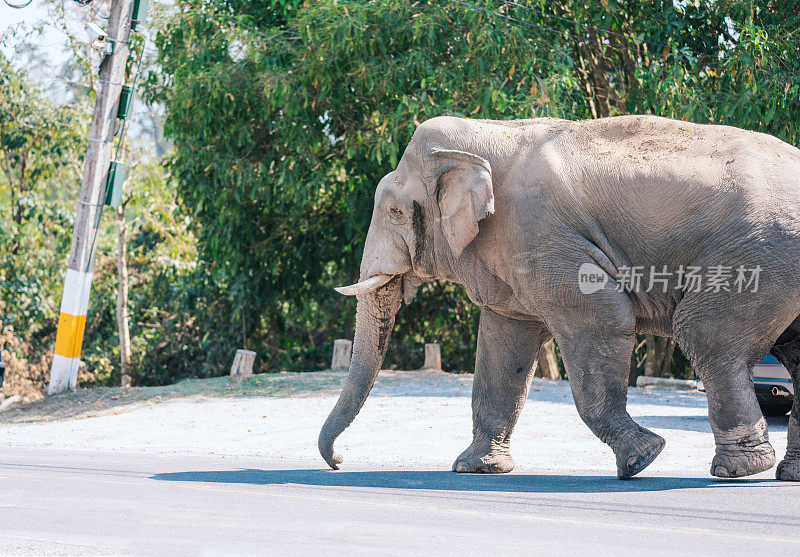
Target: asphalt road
(87,503)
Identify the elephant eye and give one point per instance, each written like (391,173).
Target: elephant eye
(395,211)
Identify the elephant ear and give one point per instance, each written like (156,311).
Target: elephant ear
(464,192)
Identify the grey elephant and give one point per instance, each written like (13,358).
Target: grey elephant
(545,223)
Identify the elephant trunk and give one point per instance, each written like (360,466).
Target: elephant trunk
(375,315)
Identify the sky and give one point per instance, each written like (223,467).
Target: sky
(31,15)
(53,43)
(9,16)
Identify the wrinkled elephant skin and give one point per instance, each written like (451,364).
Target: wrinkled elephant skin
(589,232)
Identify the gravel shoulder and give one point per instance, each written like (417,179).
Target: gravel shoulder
(97,401)
(411,420)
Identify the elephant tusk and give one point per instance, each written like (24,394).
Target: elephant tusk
(369,285)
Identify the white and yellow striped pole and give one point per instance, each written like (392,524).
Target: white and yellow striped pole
(78,282)
(69,338)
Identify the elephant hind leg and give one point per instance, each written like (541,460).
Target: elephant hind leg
(740,431)
(742,439)
(724,362)
(788,354)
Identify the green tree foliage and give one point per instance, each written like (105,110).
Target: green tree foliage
(730,62)
(41,160)
(278,151)
(41,145)
(285,116)
(167,294)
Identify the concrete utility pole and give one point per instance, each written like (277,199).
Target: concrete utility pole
(78,282)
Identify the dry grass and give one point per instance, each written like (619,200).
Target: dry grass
(94,401)
(25,378)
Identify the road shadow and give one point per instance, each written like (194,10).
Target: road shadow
(778,423)
(450,481)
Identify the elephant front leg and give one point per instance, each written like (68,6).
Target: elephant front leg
(504,366)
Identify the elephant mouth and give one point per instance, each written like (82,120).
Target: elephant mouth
(368,285)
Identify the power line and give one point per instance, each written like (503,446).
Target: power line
(18,6)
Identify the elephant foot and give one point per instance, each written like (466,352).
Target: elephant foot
(788,470)
(637,454)
(483,458)
(739,462)
(743,451)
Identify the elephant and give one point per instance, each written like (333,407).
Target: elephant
(544,222)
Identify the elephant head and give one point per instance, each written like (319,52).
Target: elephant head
(425,214)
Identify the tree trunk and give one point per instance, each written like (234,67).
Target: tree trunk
(595,61)
(666,363)
(547,365)
(16,206)
(637,365)
(123,325)
(659,356)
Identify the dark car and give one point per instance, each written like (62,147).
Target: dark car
(774,388)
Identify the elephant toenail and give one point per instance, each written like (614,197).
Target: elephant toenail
(721,472)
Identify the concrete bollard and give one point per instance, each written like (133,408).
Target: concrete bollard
(242,365)
(433,357)
(342,351)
